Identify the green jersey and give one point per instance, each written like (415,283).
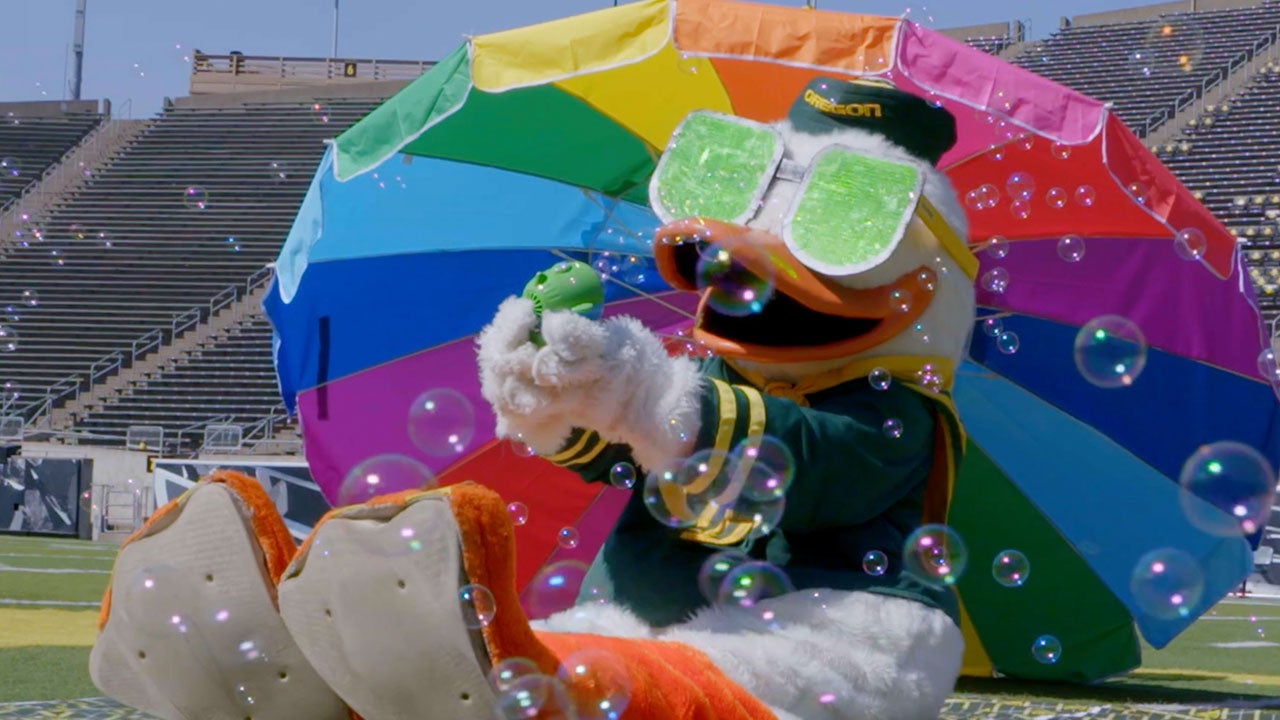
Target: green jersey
(857,489)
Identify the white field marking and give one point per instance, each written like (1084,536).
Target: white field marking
(1245,644)
(47,556)
(53,571)
(50,603)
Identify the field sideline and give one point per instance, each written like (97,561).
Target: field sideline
(50,589)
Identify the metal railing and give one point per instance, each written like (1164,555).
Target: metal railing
(308,68)
(69,389)
(1222,74)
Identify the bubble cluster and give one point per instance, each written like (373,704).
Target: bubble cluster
(381,475)
(1167,583)
(935,554)
(731,288)
(442,422)
(1010,568)
(1227,489)
(1110,351)
(995,280)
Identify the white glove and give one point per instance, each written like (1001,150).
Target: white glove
(525,411)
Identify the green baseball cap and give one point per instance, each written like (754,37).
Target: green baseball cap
(828,105)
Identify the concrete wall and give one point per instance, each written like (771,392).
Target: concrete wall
(1147,12)
(53,108)
(363,90)
(996,29)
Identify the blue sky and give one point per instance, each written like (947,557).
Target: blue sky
(136,49)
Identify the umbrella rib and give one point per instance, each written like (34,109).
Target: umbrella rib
(650,296)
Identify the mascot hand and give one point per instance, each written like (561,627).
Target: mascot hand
(575,351)
(527,409)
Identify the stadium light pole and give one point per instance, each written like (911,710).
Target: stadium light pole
(335,29)
(77,66)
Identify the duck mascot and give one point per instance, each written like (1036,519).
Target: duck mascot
(836,293)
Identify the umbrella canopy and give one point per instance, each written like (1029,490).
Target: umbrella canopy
(538,143)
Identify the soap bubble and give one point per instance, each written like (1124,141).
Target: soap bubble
(195,198)
(518,512)
(504,675)
(320,113)
(441,422)
(8,339)
(731,288)
(751,582)
(1061,151)
(567,538)
(10,167)
(1020,209)
(992,326)
(1056,197)
(996,280)
(1010,568)
(1007,342)
(900,300)
(555,588)
(1167,584)
(1085,195)
(1138,192)
(715,569)
(30,298)
(623,476)
(665,499)
(1046,649)
(1190,243)
(1268,368)
(522,448)
(880,379)
(1071,248)
(598,682)
(875,563)
(997,247)
(1110,351)
(383,474)
(1227,489)
(535,696)
(771,468)
(478,606)
(158,602)
(892,428)
(935,554)
(1020,186)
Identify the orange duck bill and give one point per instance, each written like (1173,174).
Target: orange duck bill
(805,317)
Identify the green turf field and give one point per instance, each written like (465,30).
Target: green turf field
(49,591)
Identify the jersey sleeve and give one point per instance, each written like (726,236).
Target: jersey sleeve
(590,456)
(848,467)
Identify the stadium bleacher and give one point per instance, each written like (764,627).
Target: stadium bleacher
(229,379)
(30,144)
(1153,68)
(184,220)
(178,225)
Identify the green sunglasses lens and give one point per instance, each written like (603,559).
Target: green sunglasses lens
(851,211)
(715,168)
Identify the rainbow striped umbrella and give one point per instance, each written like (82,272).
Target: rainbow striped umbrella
(537,143)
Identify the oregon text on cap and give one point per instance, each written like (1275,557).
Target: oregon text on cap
(870,109)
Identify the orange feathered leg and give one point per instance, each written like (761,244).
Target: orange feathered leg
(669,681)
